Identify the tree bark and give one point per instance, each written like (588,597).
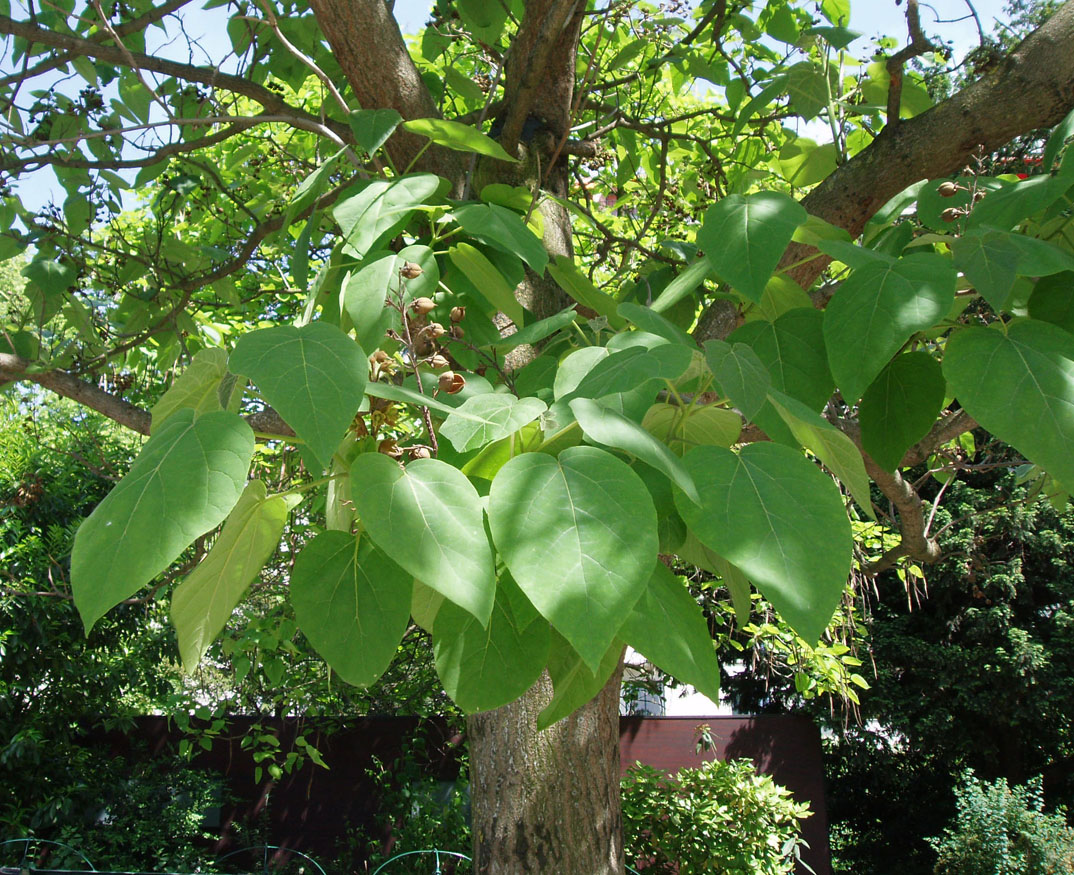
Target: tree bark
(547,802)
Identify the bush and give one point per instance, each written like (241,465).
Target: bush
(1000,830)
(721,817)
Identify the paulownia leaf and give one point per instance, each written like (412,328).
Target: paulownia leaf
(744,237)
(535,332)
(573,681)
(629,368)
(352,603)
(372,127)
(741,375)
(901,405)
(829,444)
(777,517)
(649,320)
(376,210)
(684,284)
(197,387)
(668,628)
(1053,300)
(683,428)
(1020,386)
(792,350)
(315,377)
(570,278)
(457,136)
(500,414)
(607,427)
(429,519)
(578,533)
(990,261)
(696,553)
(504,230)
(483,668)
(487,279)
(187,478)
(202,603)
(876,311)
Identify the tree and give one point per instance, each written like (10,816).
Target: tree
(557,284)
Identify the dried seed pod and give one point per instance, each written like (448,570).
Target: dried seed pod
(419,453)
(948,189)
(458,314)
(952,214)
(410,270)
(434,329)
(389,447)
(457,332)
(380,357)
(450,382)
(421,306)
(438,362)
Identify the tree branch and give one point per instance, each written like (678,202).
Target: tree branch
(210,76)
(16,369)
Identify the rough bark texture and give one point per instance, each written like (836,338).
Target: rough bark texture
(547,802)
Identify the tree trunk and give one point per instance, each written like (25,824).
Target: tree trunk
(547,802)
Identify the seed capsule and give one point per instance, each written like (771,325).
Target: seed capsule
(952,214)
(450,382)
(948,189)
(421,306)
(410,271)
(458,314)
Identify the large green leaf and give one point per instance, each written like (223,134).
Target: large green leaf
(1020,386)
(535,332)
(504,230)
(51,276)
(876,311)
(683,428)
(198,387)
(372,127)
(578,533)
(314,376)
(744,237)
(483,668)
(901,405)
(827,443)
(990,261)
(457,136)
(573,682)
(429,519)
(777,517)
(500,415)
(1010,205)
(668,628)
(575,283)
(376,210)
(627,369)
(1053,300)
(202,603)
(684,284)
(792,350)
(741,375)
(352,603)
(363,295)
(611,429)
(186,479)
(487,279)
(649,320)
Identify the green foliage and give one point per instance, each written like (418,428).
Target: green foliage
(721,817)
(1003,830)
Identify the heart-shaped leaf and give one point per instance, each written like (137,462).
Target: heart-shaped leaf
(876,311)
(683,428)
(668,628)
(573,681)
(777,517)
(372,127)
(483,668)
(352,603)
(457,136)
(578,533)
(202,603)
(741,375)
(744,237)
(315,377)
(1020,386)
(374,211)
(500,415)
(429,519)
(504,230)
(901,405)
(186,479)
(197,387)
